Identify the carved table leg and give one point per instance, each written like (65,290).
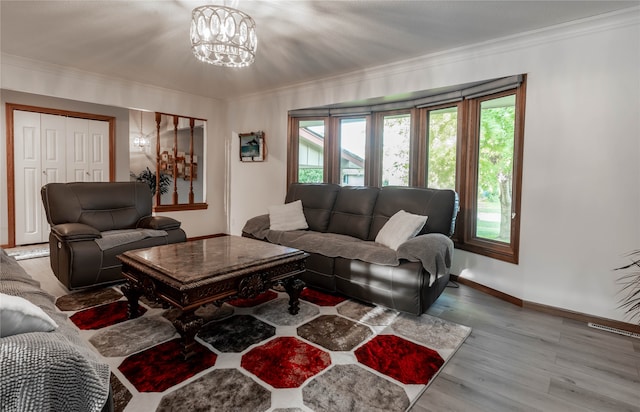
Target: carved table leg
(293,287)
(133,293)
(188,324)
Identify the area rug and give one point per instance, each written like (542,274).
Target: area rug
(23,253)
(336,354)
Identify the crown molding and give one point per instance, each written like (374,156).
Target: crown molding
(601,23)
(20,68)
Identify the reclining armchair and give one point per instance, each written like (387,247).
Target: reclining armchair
(93,222)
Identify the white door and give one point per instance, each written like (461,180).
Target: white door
(77,150)
(98,151)
(51,148)
(39,142)
(53,161)
(87,150)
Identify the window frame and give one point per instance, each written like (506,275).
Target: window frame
(336,148)
(378,126)
(293,147)
(508,252)
(461,159)
(468,108)
(423,164)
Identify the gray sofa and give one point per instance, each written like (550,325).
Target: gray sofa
(93,222)
(47,371)
(344,258)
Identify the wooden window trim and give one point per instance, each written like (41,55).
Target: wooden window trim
(461,157)
(335,145)
(293,149)
(508,252)
(378,121)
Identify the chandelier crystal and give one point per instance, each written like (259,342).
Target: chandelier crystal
(223,36)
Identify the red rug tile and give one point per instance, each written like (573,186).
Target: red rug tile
(400,359)
(102,316)
(285,362)
(321,298)
(161,367)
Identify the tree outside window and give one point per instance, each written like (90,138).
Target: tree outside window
(495,168)
(395,153)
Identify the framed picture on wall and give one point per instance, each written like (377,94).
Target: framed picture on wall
(252,147)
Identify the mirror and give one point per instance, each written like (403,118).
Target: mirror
(174,146)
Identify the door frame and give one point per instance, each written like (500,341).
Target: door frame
(9,109)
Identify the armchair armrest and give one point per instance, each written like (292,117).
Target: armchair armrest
(158,223)
(72,232)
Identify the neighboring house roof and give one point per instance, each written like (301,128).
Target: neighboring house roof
(311,138)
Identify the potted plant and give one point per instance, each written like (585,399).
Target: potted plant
(631,287)
(149,178)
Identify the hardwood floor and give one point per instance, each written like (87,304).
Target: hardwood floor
(514,360)
(521,360)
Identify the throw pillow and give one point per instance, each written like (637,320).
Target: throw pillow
(289,216)
(18,315)
(399,228)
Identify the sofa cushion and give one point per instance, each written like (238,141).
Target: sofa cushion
(352,211)
(440,205)
(18,315)
(399,228)
(317,202)
(289,216)
(103,205)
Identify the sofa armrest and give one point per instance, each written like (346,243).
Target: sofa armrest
(434,250)
(73,232)
(257,227)
(158,223)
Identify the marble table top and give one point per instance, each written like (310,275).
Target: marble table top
(205,259)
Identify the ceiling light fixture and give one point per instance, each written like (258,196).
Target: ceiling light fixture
(223,36)
(142,141)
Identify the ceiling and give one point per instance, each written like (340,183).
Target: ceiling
(298,41)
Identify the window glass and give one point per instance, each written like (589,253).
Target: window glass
(495,168)
(441,152)
(396,148)
(353,139)
(311,151)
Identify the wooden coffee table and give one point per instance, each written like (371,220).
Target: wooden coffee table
(191,274)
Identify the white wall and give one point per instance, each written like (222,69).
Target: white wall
(35,83)
(581,184)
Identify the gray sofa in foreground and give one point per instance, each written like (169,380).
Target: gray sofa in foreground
(45,370)
(343,223)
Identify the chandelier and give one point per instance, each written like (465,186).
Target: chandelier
(142,141)
(223,36)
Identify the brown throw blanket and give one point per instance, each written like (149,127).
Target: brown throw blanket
(434,250)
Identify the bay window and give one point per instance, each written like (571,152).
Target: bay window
(467,138)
